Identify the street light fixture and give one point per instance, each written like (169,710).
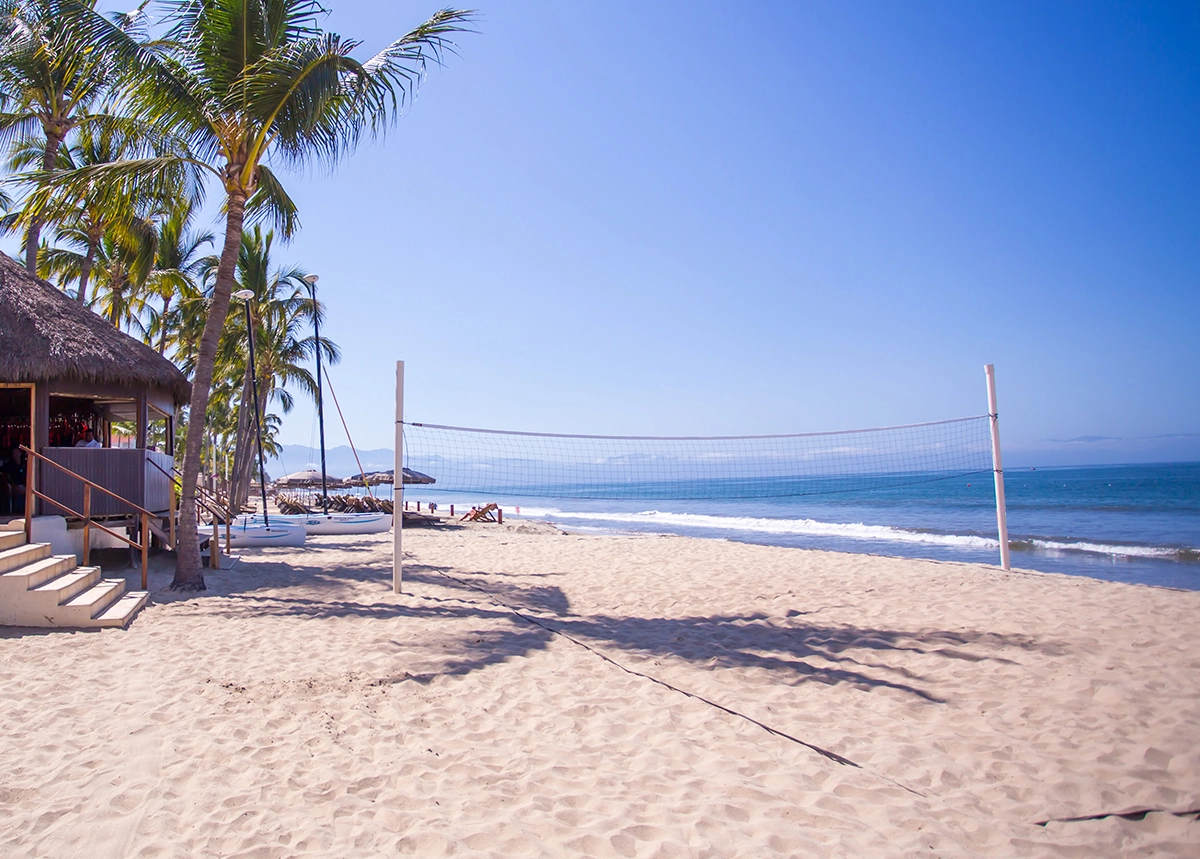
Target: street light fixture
(311,280)
(246,295)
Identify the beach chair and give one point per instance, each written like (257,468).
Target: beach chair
(486,513)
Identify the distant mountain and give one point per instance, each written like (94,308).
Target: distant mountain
(1104,450)
(339,461)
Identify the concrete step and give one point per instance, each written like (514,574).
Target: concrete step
(38,573)
(122,611)
(80,610)
(64,588)
(11,559)
(11,539)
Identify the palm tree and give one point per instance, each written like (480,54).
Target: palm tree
(177,266)
(123,266)
(57,59)
(85,217)
(283,343)
(249,80)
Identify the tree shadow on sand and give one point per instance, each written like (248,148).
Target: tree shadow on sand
(515,620)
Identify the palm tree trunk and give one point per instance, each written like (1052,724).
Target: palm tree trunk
(240,488)
(245,467)
(85,272)
(189,576)
(162,335)
(34,234)
(248,443)
(115,307)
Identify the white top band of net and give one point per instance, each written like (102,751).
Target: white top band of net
(691,437)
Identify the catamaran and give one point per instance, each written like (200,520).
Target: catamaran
(326,523)
(245,532)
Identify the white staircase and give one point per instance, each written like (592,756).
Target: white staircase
(40,589)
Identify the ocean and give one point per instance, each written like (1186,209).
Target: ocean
(1129,523)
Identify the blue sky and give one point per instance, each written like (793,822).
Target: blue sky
(715,218)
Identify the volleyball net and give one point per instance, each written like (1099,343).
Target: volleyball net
(550,465)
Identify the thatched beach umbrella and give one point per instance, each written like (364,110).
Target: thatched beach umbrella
(308,477)
(371,478)
(375,478)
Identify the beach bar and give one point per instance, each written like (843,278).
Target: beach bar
(91,401)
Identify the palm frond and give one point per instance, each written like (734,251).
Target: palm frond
(157,176)
(134,22)
(393,75)
(271,203)
(16,126)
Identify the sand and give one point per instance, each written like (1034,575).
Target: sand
(534,693)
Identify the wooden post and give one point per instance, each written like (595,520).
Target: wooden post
(87,523)
(143,420)
(398,487)
(172,514)
(145,550)
(214,548)
(31,468)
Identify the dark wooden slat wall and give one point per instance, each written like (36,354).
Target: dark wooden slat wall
(125,471)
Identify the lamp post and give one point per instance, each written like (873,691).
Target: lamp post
(246,295)
(311,280)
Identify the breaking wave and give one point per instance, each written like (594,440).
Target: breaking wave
(665,522)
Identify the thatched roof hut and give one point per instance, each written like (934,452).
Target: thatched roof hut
(46,335)
(69,382)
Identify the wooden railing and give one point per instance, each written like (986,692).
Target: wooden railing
(205,501)
(32,492)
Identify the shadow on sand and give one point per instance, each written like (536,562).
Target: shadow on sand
(515,620)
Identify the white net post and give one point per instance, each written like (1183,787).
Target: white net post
(398,487)
(997,466)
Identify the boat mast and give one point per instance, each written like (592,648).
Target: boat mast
(312,289)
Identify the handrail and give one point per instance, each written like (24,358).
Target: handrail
(215,510)
(79,515)
(177,480)
(31,491)
(212,500)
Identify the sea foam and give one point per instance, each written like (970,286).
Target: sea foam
(794,527)
(666,522)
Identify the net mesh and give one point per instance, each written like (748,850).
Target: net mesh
(550,465)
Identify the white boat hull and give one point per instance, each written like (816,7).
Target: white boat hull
(337,523)
(245,534)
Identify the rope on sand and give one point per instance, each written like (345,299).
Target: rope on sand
(825,753)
